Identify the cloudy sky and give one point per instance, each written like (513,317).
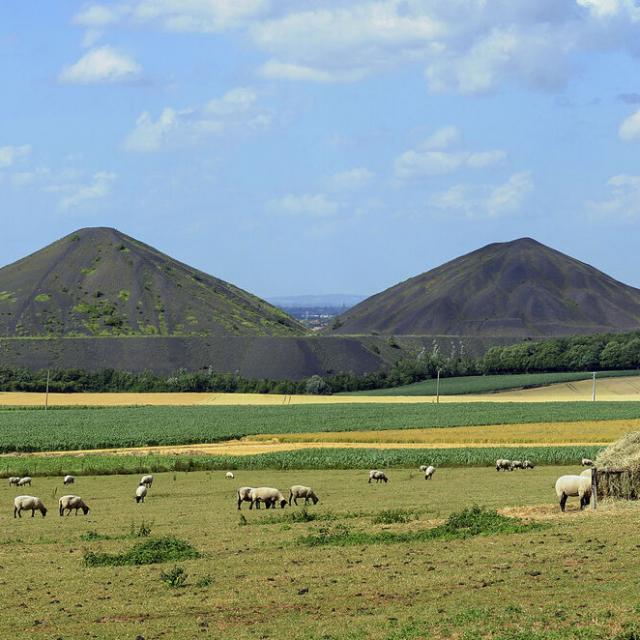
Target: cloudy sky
(323,146)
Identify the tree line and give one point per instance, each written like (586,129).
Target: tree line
(602,352)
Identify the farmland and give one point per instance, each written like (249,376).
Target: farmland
(506,586)
(25,430)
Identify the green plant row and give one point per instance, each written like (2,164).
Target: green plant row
(300,459)
(27,430)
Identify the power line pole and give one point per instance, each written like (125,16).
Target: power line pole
(593,388)
(438,388)
(46,395)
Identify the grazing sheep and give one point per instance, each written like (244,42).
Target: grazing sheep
(429,471)
(298,491)
(69,480)
(269,496)
(516,464)
(229,475)
(423,467)
(23,482)
(13,480)
(72,502)
(141,492)
(502,464)
(244,495)
(586,462)
(376,475)
(527,464)
(574,486)
(147,481)
(28,503)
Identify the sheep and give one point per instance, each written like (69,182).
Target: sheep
(515,464)
(147,481)
(69,480)
(268,495)
(28,503)
(298,491)
(376,475)
(72,502)
(423,467)
(13,480)
(23,482)
(244,495)
(502,464)
(586,462)
(574,486)
(141,493)
(229,475)
(527,464)
(428,474)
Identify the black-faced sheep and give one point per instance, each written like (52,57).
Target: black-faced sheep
(429,471)
(503,465)
(229,475)
(23,482)
(516,464)
(13,481)
(68,480)
(574,486)
(378,476)
(269,496)
(298,491)
(586,462)
(72,502)
(147,481)
(244,495)
(28,503)
(141,492)
(423,467)
(527,464)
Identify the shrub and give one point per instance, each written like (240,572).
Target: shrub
(153,551)
(175,577)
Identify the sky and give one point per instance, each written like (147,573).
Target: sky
(323,146)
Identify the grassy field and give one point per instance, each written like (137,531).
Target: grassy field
(489,384)
(574,575)
(68,429)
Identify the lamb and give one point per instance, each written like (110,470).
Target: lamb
(502,464)
(141,492)
(428,474)
(28,503)
(574,486)
(147,481)
(13,480)
(244,495)
(298,491)
(68,480)
(229,475)
(268,495)
(23,482)
(376,475)
(586,462)
(527,464)
(72,502)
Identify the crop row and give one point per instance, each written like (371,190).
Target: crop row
(71,429)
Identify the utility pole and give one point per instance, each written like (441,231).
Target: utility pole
(593,388)
(438,388)
(46,395)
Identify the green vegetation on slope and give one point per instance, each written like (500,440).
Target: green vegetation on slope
(99,428)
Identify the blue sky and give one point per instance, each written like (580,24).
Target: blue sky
(323,146)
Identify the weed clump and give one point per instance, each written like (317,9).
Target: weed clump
(175,577)
(152,551)
(393,516)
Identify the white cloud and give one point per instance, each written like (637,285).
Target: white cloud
(351,180)
(97,16)
(433,157)
(612,8)
(276,70)
(11,155)
(236,110)
(485,201)
(100,65)
(312,205)
(630,127)
(75,195)
(623,202)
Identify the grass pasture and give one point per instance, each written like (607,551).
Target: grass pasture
(573,575)
(63,429)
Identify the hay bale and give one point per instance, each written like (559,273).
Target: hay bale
(622,454)
(618,474)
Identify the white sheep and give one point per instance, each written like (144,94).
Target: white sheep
(298,491)
(244,495)
(13,481)
(423,467)
(574,486)
(147,481)
(376,475)
(502,464)
(141,492)
(527,464)
(428,474)
(69,480)
(516,464)
(268,495)
(586,462)
(23,482)
(72,502)
(28,503)
(229,475)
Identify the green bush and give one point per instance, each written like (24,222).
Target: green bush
(152,551)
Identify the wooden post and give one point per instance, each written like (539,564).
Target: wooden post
(46,395)
(593,389)
(594,488)
(438,388)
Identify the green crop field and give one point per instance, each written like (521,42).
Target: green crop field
(66,429)
(488,384)
(402,570)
